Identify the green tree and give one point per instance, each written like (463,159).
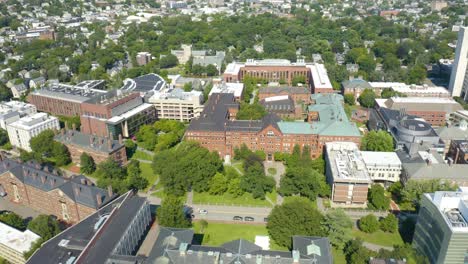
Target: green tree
(377,198)
(211,70)
(130,147)
(369,223)
(389,223)
(87,165)
(294,217)
(251,111)
(303,181)
(356,253)
(168,61)
(188,86)
(256,182)
(147,137)
(171,213)
(43,143)
(203,225)
(218,184)
(367,98)
(417,74)
(13,220)
(234,187)
(134,178)
(45,226)
(337,225)
(377,141)
(60,154)
(349,99)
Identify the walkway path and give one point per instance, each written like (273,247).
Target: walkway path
(278,166)
(375,247)
(145,151)
(144,161)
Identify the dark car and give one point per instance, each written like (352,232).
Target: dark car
(237,218)
(248,218)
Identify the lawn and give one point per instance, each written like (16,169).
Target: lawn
(379,238)
(239,166)
(147,173)
(142,155)
(217,234)
(227,199)
(338,256)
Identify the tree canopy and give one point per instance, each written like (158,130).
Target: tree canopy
(171,213)
(367,98)
(337,225)
(369,223)
(377,199)
(377,141)
(87,165)
(294,217)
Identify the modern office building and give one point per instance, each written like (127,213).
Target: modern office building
(218,130)
(280,70)
(99,148)
(434,110)
(305,250)
(111,234)
(13,243)
(63,99)
(459,78)
(176,104)
(43,189)
(14,110)
(116,112)
(441,232)
(347,175)
(20,132)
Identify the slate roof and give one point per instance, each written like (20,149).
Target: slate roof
(100,144)
(356,83)
(173,246)
(279,106)
(77,188)
(72,242)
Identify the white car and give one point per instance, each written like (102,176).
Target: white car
(203,211)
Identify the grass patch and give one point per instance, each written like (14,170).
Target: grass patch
(216,234)
(142,155)
(338,256)
(271,171)
(227,199)
(239,166)
(147,173)
(379,238)
(272,196)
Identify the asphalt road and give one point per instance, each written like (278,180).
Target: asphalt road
(227,213)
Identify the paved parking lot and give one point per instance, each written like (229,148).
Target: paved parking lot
(23,211)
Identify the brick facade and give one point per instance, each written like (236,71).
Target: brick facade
(55,196)
(54,106)
(271,73)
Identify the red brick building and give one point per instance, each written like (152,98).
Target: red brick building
(298,94)
(434,110)
(218,130)
(116,113)
(43,189)
(99,148)
(278,70)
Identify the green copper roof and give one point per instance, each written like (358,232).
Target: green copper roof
(333,120)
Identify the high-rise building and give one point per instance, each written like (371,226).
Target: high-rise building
(441,232)
(459,78)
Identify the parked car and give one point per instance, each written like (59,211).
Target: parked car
(237,218)
(248,218)
(203,211)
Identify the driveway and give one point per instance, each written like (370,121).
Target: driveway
(227,213)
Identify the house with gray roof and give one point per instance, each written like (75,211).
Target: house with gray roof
(174,246)
(44,189)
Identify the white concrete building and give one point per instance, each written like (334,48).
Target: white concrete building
(20,132)
(12,111)
(234,88)
(384,167)
(459,78)
(176,104)
(13,243)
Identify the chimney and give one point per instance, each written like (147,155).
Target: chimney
(109,191)
(296,256)
(43,179)
(52,182)
(428,161)
(77,191)
(120,139)
(83,181)
(109,143)
(98,199)
(183,249)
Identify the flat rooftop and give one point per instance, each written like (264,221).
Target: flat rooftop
(320,76)
(32,121)
(454,208)
(346,161)
(15,239)
(233,88)
(74,93)
(380,158)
